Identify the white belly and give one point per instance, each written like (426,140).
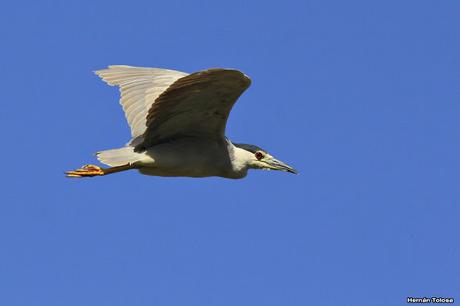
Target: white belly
(191,157)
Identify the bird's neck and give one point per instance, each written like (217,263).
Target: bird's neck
(239,159)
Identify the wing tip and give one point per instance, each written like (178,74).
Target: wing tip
(114,67)
(242,76)
(105,72)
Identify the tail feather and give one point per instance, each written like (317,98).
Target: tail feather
(118,157)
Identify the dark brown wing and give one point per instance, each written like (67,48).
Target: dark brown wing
(196,105)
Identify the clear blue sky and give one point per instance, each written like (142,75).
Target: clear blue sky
(361,96)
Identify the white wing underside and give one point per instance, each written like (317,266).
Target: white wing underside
(139,88)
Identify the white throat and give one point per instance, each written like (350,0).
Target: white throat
(240,160)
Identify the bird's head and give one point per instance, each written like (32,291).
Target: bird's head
(257,158)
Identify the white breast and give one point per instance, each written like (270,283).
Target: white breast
(192,157)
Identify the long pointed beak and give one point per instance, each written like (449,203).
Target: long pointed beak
(279,165)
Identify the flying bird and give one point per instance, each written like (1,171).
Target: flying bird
(177,123)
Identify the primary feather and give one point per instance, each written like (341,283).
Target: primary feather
(139,88)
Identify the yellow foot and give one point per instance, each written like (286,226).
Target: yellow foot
(86,171)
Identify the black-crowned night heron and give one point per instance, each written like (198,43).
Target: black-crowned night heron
(177,123)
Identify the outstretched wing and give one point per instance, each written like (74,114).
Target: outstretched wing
(195,105)
(139,88)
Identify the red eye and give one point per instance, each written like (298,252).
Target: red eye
(259,155)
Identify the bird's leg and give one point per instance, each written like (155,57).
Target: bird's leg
(86,171)
(93,170)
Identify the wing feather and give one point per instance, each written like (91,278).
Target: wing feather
(195,105)
(139,88)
